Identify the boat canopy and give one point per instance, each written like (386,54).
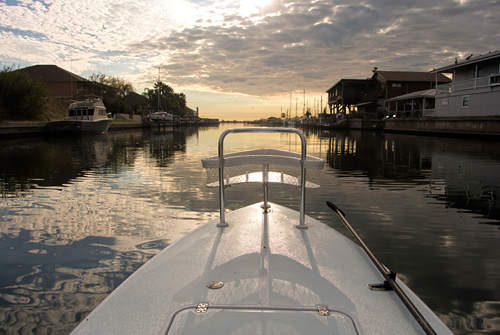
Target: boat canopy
(89,109)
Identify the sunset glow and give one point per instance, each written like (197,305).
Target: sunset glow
(240,59)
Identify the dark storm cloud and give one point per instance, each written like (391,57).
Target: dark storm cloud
(290,45)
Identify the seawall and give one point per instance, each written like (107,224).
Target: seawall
(10,130)
(486,126)
(475,126)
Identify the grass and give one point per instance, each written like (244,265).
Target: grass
(56,110)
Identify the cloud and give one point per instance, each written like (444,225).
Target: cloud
(233,46)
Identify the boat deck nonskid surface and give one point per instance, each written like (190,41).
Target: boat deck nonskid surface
(275,276)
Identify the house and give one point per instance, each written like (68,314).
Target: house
(415,104)
(136,104)
(348,92)
(396,83)
(370,97)
(58,82)
(475,88)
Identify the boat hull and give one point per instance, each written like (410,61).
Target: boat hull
(79,126)
(275,278)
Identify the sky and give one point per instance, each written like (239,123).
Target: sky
(245,59)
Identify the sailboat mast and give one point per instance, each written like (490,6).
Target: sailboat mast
(304,110)
(159,101)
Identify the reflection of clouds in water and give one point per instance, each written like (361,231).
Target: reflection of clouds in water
(68,247)
(67,243)
(51,287)
(483,319)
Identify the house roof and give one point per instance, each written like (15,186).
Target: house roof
(350,81)
(414,95)
(50,73)
(135,98)
(470,60)
(407,76)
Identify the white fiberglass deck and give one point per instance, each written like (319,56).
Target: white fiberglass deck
(275,276)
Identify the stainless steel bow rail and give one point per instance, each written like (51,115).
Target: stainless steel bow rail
(389,276)
(263,130)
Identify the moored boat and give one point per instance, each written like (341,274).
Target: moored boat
(263,269)
(85,116)
(161,116)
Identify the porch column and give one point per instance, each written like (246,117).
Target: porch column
(475,77)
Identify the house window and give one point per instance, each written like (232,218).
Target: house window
(465,100)
(479,73)
(396,87)
(495,80)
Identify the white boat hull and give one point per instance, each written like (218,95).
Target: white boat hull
(79,126)
(274,278)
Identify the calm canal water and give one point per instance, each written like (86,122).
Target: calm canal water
(77,216)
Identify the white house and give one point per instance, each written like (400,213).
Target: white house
(474,90)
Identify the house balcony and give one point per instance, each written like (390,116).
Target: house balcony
(472,84)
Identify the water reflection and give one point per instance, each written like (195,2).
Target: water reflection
(420,203)
(77,216)
(73,223)
(462,173)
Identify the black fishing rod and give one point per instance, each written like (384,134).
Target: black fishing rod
(389,276)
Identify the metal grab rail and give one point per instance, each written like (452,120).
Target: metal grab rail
(263,130)
(354,326)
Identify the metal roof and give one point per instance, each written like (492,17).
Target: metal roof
(471,60)
(407,76)
(413,95)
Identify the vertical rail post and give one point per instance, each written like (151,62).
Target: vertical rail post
(265,182)
(222,221)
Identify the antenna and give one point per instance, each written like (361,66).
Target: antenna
(159,101)
(71,67)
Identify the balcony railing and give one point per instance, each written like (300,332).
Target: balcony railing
(492,80)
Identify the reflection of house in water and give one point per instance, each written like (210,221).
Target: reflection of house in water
(471,183)
(58,161)
(381,158)
(460,175)
(55,162)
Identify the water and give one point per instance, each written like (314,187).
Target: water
(77,216)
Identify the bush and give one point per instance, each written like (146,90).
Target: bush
(21,98)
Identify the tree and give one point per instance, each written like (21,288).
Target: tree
(21,98)
(112,89)
(170,101)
